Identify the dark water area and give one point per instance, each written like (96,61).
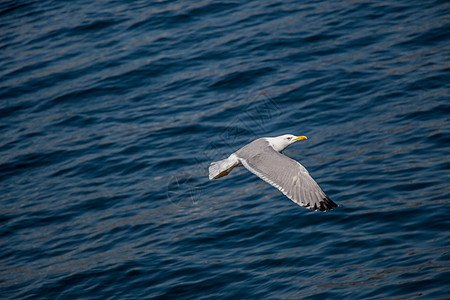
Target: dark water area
(111,111)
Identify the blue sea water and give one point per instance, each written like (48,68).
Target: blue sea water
(111,111)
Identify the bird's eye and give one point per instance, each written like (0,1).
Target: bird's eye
(289,138)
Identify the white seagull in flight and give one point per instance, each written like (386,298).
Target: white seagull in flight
(263,158)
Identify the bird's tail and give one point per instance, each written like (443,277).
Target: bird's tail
(221,168)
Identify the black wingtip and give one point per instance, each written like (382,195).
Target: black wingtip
(326,204)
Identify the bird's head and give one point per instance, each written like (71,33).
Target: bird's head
(280,143)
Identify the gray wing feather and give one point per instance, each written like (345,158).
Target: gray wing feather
(287,175)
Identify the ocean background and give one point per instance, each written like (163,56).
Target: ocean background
(111,111)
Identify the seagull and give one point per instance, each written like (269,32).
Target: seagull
(263,158)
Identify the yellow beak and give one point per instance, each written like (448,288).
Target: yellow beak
(299,138)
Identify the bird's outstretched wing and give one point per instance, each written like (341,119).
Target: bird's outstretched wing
(290,177)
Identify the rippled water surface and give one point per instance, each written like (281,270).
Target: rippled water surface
(110,112)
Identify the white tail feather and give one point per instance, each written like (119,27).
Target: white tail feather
(221,168)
